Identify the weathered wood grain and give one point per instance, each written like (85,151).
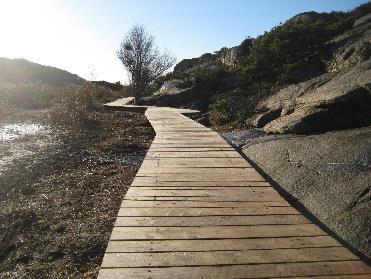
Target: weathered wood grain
(197,209)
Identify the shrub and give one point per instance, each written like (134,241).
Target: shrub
(28,95)
(126,91)
(237,105)
(73,107)
(4,110)
(220,112)
(293,46)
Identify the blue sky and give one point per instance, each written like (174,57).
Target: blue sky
(82,36)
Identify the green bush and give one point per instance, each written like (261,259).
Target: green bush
(221,112)
(235,106)
(296,45)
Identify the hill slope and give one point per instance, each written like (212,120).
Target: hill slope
(21,70)
(231,85)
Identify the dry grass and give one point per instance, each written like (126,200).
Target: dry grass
(73,107)
(28,95)
(68,105)
(58,206)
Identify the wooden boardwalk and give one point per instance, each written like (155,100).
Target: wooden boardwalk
(197,209)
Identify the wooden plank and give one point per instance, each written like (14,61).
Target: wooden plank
(193,154)
(209,190)
(241,271)
(203,199)
(199,162)
(195,141)
(215,232)
(200,184)
(211,221)
(120,102)
(150,196)
(215,177)
(212,162)
(190,145)
(188,149)
(158,211)
(208,138)
(178,130)
(178,164)
(204,193)
(194,135)
(188,135)
(168,259)
(203,204)
(150,171)
(218,192)
(220,244)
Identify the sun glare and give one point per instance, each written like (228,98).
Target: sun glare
(48,32)
(24,26)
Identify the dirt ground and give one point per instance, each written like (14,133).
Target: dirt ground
(58,204)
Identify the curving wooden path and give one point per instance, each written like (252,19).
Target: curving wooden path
(197,209)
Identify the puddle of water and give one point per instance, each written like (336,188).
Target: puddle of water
(15,148)
(13,131)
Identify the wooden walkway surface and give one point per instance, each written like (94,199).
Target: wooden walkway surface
(197,209)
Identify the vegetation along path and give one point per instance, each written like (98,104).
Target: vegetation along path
(197,209)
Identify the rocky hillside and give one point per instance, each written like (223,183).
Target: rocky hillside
(308,56)
(21,70)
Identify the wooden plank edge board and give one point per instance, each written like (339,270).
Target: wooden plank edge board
(349,269)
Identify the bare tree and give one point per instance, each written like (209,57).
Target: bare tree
(142,59)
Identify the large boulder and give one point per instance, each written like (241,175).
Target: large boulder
(329,174)
(263,118)
(300,121)
(171,87)
(330,101)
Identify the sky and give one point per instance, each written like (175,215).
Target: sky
(83,36)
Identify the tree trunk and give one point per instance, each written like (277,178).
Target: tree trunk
(135,91)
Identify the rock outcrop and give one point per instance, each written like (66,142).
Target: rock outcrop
(205,61)
(171,87)
(329,174)
(329,102)
(352,47)
(338,99)
(226,57)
